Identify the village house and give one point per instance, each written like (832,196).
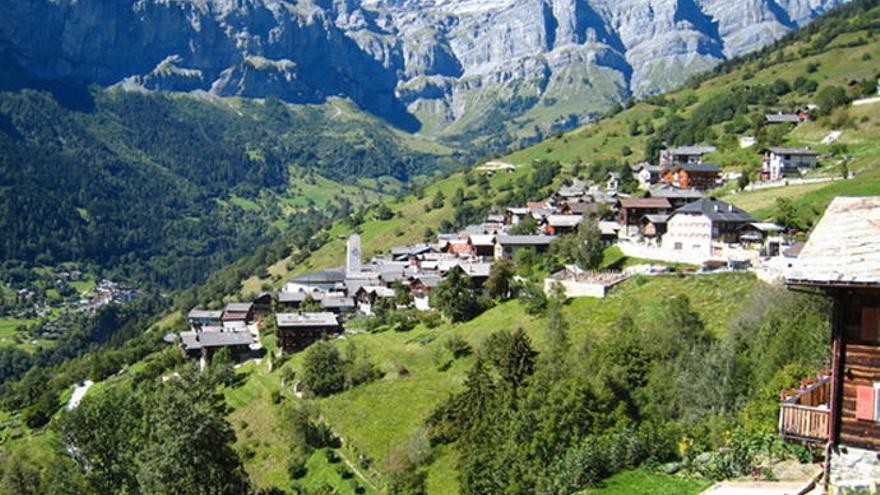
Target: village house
(507,245)
(677,196)
(613,182)
(263,305)
(581,208)
(482,245)
(237,314)
(338,304)
(576,189)
(366,297)
(685,154)
(631,211)
(762,236)
(610,232)
(513,216)
(290,301)
(787,118)
(841,260)
(298,330)
(647,174)
(654,226)
(692,175)
(199,318)
(420,287)
(697,226)
(782,162)
(204,344)
(476,273)
(561,224)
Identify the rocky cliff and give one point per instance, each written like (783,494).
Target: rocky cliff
(448,67)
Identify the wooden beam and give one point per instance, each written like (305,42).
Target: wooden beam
(837,368)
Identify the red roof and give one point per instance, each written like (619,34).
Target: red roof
(645,203)
(234,316)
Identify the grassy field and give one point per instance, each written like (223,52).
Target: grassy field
(639,482)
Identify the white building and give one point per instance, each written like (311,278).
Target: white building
(780,162)
(697,226)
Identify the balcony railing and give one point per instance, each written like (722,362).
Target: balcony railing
(804,416)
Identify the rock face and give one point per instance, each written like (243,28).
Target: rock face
(449,66)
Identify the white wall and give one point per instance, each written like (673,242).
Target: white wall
(688,233)
(574,288)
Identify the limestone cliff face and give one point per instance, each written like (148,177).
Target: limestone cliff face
(449,62)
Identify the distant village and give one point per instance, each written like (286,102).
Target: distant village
(671,221)
(31,301)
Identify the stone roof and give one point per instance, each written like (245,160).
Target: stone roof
(792,151)
(692,150)
(700,167)
(198,340)
(321,319)
(716,211)
(645,203)
(844,248)
(205,314)
(782,117)
(564,220)
(667,191)
(525,240)
(238,307)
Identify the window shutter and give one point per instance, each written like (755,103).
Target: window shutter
(865,403)
(870,323)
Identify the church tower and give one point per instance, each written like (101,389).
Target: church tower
(353,255)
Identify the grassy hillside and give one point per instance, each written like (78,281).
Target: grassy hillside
(376,418)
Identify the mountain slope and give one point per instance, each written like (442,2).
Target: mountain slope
(453,68)
(151,187)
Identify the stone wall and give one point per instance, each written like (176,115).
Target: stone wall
(854,471)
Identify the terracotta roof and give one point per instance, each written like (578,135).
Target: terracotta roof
(844,248)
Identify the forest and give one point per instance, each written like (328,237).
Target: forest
(136,184)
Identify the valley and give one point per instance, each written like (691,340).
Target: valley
(668,383)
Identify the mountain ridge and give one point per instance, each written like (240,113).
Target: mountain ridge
(426,65)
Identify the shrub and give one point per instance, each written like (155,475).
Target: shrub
(296,466)
(457,346)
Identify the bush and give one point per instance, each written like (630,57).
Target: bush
(457,346)
(296,467)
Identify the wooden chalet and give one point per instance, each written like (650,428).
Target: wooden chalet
(204,344)
(262,305)
(699,176)
(420,287)
(632,210)
(365,297)
(238,314)
(841,260)
(199,318)
(298,330)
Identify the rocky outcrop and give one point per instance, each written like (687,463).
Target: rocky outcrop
(445,61)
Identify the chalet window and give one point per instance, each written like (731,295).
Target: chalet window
(869,330)
(678,246)
(868,402)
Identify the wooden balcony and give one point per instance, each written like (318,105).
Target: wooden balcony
(804,416)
